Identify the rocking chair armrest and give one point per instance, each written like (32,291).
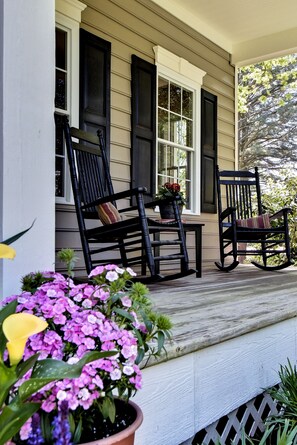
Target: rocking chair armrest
(280,213)
(116,196)
(227,212)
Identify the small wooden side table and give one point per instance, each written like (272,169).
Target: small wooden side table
(197,228)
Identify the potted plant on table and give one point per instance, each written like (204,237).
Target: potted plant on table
(168,192)
(106,314)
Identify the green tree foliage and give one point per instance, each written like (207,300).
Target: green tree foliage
(267,101)
(283,193)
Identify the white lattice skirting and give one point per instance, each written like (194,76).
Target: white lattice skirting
(248,417)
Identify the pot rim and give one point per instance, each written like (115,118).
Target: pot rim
(122,434)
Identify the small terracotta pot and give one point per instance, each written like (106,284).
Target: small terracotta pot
(125,437)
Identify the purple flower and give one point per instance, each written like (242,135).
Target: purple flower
(61,429)
(35,437)
(82,318)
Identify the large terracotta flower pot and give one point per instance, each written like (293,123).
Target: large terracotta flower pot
(125,437)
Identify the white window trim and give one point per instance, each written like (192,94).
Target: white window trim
(68,18)
(189,76)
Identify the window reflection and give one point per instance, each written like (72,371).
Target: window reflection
(175,125)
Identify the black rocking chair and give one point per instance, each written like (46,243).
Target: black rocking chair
(242,223)
(132,238)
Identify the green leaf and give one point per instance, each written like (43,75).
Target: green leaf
(123,313)
(24,367)
(4,313)
(147,321)
(46,428)
(8,378)
(48,370)
(13,418)
(140,356)
(18,235)
(161,340)
(77,431)
(108,409)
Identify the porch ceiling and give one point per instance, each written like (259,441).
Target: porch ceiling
(250,30)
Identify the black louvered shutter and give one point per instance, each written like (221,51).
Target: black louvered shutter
(208,151)
(95,84)
(143,137)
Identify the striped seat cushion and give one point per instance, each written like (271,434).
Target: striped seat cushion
(257,222)
(108,213)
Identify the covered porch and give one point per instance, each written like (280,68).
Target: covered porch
(231,332)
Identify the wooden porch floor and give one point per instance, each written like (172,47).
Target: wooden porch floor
(221,306)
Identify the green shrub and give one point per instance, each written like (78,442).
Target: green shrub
(278,194)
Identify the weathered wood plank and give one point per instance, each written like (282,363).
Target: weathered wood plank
(220,306)
(231,332)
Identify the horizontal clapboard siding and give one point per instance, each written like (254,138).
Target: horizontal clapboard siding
(135,27)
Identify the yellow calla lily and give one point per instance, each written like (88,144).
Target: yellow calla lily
(17,329)
(7,252)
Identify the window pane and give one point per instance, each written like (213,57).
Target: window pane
(163,124)
(59,134)
(162,173)
(174,165)
(60,177)
(187,133)
(60,98)
(61,47)
(177,127)
(187,104)
(163,93)
(176,130)
(175,98)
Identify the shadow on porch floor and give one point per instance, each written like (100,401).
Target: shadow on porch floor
(221,306)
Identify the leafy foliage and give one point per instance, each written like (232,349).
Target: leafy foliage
(267,101)
(283,193)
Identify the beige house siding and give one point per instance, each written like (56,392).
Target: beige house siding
(135,27)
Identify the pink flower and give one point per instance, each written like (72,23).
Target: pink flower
(128,370)
(131,272)
(26,430)
(111,267)
(82,318)
(126,301)
(97,271)
(112,276)
(115,374)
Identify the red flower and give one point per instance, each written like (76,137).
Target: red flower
(167,185)
(175,187)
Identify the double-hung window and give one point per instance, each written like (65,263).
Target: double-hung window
(67,86)
(178,137)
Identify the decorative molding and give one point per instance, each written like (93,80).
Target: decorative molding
(70,8)
(178,65)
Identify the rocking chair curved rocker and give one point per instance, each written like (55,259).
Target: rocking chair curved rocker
(125,241)
(243,227)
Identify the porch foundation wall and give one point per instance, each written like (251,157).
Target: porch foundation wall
(186,394)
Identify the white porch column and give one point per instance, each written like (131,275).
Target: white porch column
(27,163)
